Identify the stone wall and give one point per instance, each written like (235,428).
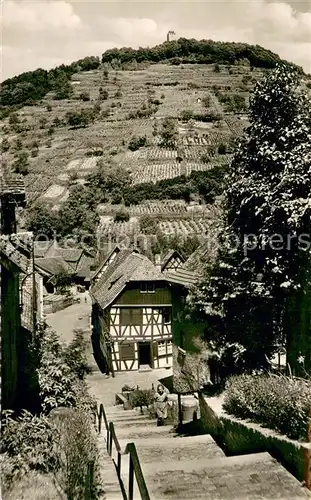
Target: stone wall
(242,437)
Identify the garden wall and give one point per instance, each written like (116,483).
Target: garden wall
(242,437)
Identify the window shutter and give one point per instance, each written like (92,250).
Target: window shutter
(155,349)
(127,352)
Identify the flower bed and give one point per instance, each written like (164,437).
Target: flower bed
(278,402)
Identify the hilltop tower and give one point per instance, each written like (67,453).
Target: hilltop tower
(168,35)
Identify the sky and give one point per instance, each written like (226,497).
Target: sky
(46,33)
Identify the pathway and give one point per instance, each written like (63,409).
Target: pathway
(67,320)
(192,467)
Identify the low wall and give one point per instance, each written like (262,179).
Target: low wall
(242,437)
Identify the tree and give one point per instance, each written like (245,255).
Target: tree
(169,132)
(5,145)
(63,282)
(41,221)
(21,163)
(260,286)
(186,115)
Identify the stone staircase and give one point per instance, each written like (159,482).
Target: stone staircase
(195,467)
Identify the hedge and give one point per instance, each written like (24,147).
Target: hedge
(278,402)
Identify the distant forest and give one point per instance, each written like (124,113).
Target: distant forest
(199,52)
(29,87)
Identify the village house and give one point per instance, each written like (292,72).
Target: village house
(136,307)
(21,301)
(53,260)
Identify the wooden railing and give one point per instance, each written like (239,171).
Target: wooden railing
(130,449)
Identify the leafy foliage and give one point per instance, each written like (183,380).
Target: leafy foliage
(137,142)
(260,289)
(280,403)
(194,51)
(32,86)
(56,379)
(28,432)
(169,133)
(75,355)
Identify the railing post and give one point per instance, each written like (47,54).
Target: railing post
(99,415)
(110,439)
(131,479)
(119,465)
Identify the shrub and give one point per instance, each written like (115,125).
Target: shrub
(75,355)
(186,115)
(122,216)
(278,402)
(141,398)
(77,452)
(84,96)
(5,146)
(27,444)
(137,142)
(222,149)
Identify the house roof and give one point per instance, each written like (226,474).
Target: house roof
(16,250)
(182,277)
(128,268)
(41,247)
(170,254)
(114,249)
(54,265)
(70,254)
(12,184)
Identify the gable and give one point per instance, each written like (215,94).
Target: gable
(133,294)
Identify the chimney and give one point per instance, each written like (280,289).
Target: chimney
(157,260)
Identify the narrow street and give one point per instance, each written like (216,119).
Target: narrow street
(64,322)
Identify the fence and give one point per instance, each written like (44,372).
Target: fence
(135,471)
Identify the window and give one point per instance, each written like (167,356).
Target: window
(127,352)
(147,287)
(161,348)
(133,316)
(166,315)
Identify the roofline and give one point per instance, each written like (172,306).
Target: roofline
(121,291)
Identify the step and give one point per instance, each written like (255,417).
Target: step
(150,432)
(135,422)
(167,449)
(257,476)
(125,418)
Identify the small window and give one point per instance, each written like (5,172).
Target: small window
(161,348)
(166,315)
(147,287)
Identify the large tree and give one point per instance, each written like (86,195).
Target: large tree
(260,286)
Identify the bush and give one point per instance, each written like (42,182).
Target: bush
(75,355)
(141,398)
(77,452)
(27,444)
(137,142)
(84,96)
(122,216)
(278,402)
(186,115)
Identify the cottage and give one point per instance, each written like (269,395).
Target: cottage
(132,314)
(52,260)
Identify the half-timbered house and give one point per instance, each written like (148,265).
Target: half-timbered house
(131,314)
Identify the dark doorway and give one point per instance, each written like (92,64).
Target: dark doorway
(144,353)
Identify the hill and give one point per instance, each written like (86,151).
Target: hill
(121,142)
